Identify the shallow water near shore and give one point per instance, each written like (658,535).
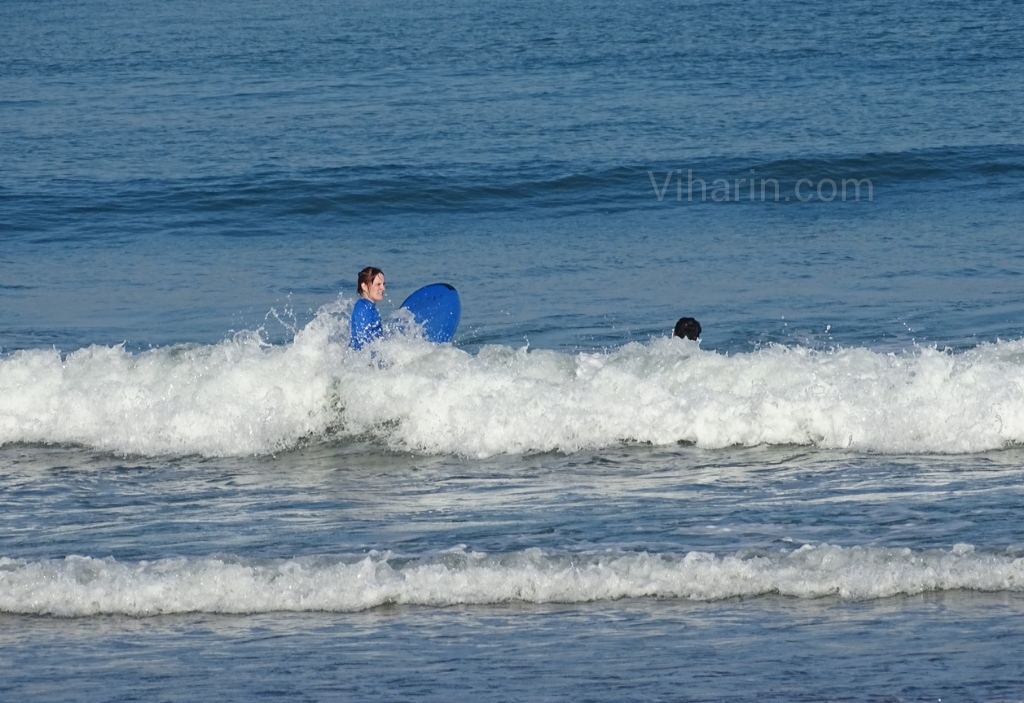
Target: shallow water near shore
(634,573)
(957,646)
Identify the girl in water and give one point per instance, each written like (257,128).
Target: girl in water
(365,322)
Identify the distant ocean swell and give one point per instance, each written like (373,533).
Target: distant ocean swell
(244,396)
(82,586)
(379,190)
(955,168)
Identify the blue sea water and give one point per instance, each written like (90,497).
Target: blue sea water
(205,495)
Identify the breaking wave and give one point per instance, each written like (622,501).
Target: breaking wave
(80,586)
(243,396)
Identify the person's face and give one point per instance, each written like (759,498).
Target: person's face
(375,291)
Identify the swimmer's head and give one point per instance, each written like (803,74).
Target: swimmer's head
(687,328)
(370,284)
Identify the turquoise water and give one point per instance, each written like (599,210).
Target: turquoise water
(206,495)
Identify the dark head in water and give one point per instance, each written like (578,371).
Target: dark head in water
(687,327)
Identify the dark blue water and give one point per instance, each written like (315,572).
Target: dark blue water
(204,495)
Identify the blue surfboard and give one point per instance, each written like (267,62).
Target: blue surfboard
(437,307)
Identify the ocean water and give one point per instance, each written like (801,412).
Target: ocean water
(205,495)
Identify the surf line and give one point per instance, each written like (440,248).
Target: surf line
(825,190)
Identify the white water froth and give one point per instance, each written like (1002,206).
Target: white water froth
(243,396)
(83,586)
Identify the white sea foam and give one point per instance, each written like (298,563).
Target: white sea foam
(82,586)
(243,396)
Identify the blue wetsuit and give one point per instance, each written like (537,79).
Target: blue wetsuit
(365,323)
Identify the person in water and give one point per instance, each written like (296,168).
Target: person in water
(687,328)
(365,322)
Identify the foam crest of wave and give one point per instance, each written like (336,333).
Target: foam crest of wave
(243,396)
(668,391)
(82,586)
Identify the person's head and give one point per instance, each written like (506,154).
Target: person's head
(370,284)
(687,328)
